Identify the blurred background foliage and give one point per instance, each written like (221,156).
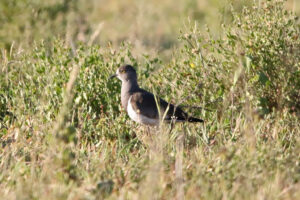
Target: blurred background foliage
(151,25)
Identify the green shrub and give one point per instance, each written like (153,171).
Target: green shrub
(256,60)
(35,83)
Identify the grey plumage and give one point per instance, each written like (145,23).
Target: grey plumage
(145,105)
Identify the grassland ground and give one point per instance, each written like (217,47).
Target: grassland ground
(64,135)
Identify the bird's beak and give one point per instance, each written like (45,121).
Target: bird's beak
(112,76)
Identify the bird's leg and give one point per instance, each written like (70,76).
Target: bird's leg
(179,164)
(172,126)
(147,130)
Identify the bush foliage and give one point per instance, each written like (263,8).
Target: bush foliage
(257,59)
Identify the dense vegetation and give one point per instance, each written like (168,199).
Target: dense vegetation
(64,135)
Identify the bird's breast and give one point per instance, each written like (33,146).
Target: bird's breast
(136,115)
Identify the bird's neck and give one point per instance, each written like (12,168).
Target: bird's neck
(128,88)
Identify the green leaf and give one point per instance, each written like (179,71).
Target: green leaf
(263,79)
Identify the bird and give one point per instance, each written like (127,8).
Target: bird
(144,107)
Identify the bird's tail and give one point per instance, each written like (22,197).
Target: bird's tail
(193,119)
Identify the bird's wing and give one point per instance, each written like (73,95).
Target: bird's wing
(145,104)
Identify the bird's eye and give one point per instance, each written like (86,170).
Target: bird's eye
(122,71)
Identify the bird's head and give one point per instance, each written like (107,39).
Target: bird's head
(125,73)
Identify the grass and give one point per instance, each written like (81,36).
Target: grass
(64,134)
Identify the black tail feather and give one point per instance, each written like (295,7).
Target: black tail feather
(193,119)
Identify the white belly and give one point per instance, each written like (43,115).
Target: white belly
(138,117)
